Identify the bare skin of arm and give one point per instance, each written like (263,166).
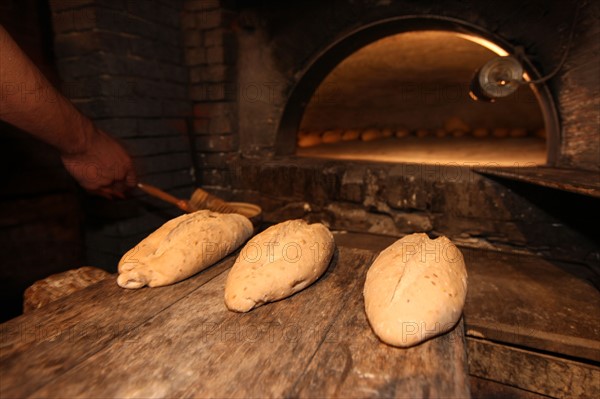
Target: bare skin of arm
(28,101)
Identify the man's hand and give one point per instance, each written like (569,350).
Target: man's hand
(98,162)
(103,167)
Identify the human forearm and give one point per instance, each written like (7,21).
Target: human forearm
(29,102)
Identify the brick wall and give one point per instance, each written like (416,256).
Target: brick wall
(122,64)
(210,55)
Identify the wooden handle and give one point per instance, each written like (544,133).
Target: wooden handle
(162,195)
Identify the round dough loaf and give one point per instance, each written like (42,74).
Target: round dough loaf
(415,290)
(277,263)
(183,247)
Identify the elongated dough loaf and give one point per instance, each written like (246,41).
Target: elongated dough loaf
(182,247)
(277,263)
(415,290)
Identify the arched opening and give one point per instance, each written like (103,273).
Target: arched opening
(405,82)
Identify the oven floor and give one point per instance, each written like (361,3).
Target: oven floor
(430,150)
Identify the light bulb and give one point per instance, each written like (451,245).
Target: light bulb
(499,77)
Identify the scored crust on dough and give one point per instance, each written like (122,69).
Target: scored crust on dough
(182,247)
(277,263)
(415,289)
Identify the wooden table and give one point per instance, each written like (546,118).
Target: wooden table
(180,340)
(531,324)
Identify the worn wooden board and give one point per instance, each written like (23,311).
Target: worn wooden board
(196,347)
(531,302)
(200,346)
(482,388)
(522,300)
(40,346)
(182,341)
(576,181)
(541,373)
(354,363)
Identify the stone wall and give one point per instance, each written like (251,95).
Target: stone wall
(399,199)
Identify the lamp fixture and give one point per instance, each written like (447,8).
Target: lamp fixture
(502,76)
(499,77)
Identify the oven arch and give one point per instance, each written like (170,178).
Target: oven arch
(317,69)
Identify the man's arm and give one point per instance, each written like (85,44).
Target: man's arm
(28,101)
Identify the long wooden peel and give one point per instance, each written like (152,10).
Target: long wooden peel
(200,200)
(163,195)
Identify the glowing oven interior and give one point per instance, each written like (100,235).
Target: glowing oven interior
(405,98)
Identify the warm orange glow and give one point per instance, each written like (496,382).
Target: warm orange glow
(427,60)
(490,46)
(430,150)
(485,43)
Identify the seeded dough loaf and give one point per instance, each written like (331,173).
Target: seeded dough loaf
(415,290)
(182,247)
(277,263)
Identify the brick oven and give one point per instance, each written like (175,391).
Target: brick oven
(219,94)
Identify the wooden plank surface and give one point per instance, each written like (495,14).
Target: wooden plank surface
(531,302)
(576,181)
(196,347)
(38,347)
(482,388)
(522,299)
(536,372)
(182,341)
(353,363)
(199,348)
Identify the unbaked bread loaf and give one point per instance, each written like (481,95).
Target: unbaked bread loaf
(182,247)
(277,263)
(415,290)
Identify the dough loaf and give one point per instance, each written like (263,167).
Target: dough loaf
(415,290)
(182,247)
(277,263)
